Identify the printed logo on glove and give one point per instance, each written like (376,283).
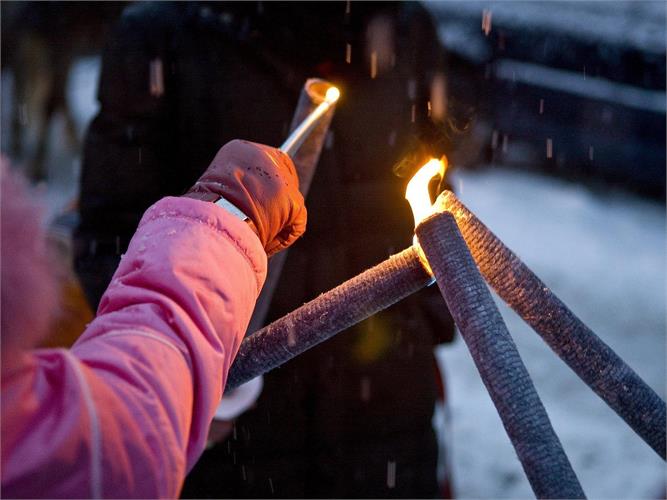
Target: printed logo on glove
(260,181)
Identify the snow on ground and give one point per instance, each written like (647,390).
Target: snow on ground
(604,255)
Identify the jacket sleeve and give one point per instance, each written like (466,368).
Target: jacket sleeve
(126,411)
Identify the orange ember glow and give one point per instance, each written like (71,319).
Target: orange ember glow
(417,192)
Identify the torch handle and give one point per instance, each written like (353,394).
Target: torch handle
(332,312)
(576,344)
(505,376)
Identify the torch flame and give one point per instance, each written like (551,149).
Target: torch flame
(332,95)
(420,199)
(417,191)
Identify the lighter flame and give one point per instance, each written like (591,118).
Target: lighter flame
(417,191)
(420,199)
(300,133)
(332,95)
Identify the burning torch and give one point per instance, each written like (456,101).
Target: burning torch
(459,251)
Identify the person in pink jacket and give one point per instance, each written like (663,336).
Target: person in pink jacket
(125,412)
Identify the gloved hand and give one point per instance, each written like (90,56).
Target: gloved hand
(260,181)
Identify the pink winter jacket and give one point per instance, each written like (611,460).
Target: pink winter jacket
(125,412)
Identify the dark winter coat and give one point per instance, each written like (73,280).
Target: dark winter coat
(333,421)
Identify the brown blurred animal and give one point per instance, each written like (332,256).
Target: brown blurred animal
(40,42)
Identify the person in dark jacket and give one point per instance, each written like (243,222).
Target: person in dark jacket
(351,417)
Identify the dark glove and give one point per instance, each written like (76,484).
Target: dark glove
(260,181)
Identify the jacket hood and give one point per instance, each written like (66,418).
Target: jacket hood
(27,280)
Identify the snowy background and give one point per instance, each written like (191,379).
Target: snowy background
(602,253)
(636,23)
(604,256)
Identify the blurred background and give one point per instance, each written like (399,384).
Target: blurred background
(563,156)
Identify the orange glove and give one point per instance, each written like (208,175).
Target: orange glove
(260,181)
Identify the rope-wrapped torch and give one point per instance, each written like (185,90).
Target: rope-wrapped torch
(576,344)
(332,312)
(505,376)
